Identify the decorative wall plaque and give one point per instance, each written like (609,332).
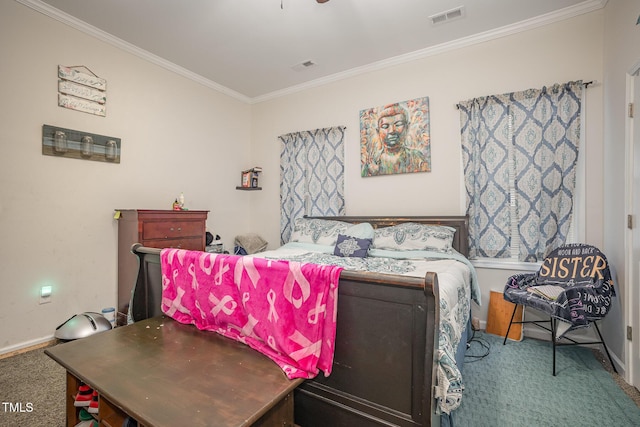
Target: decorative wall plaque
(81,90)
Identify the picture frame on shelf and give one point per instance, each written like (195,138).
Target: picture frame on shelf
(246,179)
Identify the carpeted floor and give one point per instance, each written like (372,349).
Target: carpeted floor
(514,386)
(32,389)
(511,386)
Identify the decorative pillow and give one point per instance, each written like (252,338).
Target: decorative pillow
(413,236)
(364,230)
(348,246)
(318,231)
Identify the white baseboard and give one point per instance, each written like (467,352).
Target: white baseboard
(27,345)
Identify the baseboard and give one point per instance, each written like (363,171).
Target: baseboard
(27,346)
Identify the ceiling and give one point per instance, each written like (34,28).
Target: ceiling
(252,49)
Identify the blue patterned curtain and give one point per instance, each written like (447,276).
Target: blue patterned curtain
(311,175)
(526,141)
(486,152)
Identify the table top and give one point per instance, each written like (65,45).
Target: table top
(163,373)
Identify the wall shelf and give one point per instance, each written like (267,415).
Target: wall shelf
(248,188)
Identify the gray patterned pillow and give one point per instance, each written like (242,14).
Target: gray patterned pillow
(413,236)
(349,246)
(318,231)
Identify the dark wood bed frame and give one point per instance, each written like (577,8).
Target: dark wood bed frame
(384,367)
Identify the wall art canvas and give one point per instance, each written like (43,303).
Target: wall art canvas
(395,138)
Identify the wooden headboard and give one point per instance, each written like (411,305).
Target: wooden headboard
(460,223)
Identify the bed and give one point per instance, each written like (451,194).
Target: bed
(400,335)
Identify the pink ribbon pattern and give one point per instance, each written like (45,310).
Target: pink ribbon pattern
(283,309)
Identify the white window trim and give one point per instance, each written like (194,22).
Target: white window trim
(505,264)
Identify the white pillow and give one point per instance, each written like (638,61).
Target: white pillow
(364,230)
(318,231)
(413,236)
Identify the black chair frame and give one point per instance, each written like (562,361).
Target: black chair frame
(553,328)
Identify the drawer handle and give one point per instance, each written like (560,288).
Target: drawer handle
(179,229)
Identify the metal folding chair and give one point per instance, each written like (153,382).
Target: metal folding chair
(573,286)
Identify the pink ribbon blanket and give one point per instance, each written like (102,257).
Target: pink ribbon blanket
(285,310)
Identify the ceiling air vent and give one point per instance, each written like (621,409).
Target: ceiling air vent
(304,65)
(447,16)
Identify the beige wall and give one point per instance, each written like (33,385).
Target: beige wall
(564,51)
(56,214)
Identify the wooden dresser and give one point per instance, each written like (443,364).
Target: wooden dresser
(155,229)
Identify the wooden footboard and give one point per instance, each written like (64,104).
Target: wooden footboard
(384,362)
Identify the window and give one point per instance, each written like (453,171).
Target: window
(520,154)
(311,175)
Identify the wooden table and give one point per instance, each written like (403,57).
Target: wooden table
(163,373)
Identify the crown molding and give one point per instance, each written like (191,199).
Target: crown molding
(82,26)
(542,20)
(539,21)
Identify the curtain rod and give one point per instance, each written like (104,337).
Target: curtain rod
(585,84)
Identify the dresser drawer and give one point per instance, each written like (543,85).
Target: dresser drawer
(188,243)
(172,229)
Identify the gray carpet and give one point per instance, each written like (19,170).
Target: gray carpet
(514,386)
(511,386)
(35,385)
